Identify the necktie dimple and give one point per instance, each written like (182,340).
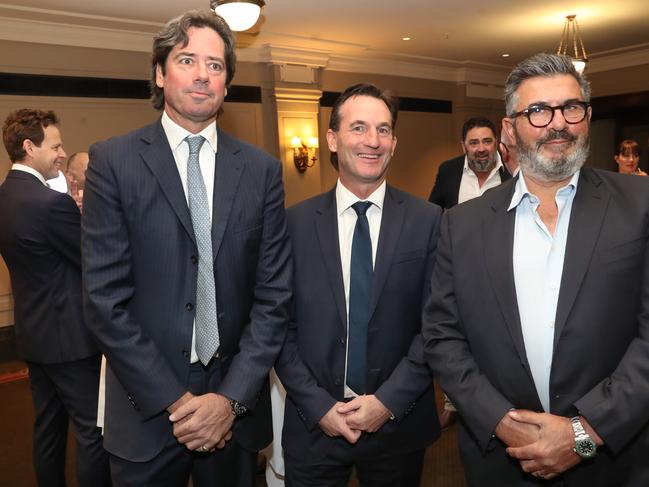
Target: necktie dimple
(360,287)
(207,331)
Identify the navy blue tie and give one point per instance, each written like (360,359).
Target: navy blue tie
(360,288)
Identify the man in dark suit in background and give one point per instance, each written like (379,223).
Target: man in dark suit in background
(186,275)
(358,391)
(40,243)
(543,346)
(470,175)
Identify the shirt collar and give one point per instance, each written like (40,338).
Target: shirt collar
(24,168)
(177,134)
(499,164)
(521,191)
(345,198)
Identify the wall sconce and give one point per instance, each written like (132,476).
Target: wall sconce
(304,154)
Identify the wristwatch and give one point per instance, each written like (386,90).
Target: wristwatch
(237,408)
(585,447)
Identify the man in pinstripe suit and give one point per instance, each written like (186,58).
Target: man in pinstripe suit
(173,410)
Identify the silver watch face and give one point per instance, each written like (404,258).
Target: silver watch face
(237,408)
(585,448)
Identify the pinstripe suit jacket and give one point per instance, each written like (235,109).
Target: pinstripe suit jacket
(140,268)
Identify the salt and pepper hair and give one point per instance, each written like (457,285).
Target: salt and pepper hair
(175,33)
(541,65)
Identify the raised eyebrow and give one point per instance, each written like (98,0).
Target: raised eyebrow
(185,53)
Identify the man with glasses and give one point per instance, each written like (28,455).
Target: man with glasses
(544,347)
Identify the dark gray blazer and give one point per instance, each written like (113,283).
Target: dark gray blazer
(600,367)
(140,268)
(312,363)
(40,243)
(446,190)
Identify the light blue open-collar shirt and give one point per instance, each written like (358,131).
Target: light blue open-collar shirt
(538,266)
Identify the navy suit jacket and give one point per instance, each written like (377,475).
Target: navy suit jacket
(40,243)
(140,269)
(600,364)
(446,190)
(312,363)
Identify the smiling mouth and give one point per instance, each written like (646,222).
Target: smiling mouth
(370,157)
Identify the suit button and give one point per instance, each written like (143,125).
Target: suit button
(189,306)
(194,259)
(185,353)
(338,381)
(342,342)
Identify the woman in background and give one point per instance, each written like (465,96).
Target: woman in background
(627,158)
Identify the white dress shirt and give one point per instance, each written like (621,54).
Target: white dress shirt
(59,183)
(470,186)
(207,160)
(538,266)
(346,223)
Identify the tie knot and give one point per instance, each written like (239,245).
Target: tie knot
(195,143)
(360,207)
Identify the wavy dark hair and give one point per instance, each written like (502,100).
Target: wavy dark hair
(25,124)
(174,33)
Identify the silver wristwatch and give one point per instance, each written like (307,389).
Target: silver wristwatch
(585,447)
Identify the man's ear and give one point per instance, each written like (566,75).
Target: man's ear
(508,128)
(159,76)
(28,147)
(331,141)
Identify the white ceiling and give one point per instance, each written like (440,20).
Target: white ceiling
(446,34)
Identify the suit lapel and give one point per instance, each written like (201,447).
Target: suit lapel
(227,174)
(326,225)
(586,218)
(391,222)
(159,159)
(498,235)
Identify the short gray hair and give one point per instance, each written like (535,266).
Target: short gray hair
(541,65)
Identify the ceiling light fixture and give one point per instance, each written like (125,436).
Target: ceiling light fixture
(239,14)
(572,37)
(406,38)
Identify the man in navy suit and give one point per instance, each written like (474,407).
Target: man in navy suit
(40,242)
(186,275)
(358,391)
(470,175)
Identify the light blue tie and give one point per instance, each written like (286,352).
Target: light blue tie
(207,330)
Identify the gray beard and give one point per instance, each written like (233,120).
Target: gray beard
(480,166)
(547,169)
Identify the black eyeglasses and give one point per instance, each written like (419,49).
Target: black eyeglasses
(540,116)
